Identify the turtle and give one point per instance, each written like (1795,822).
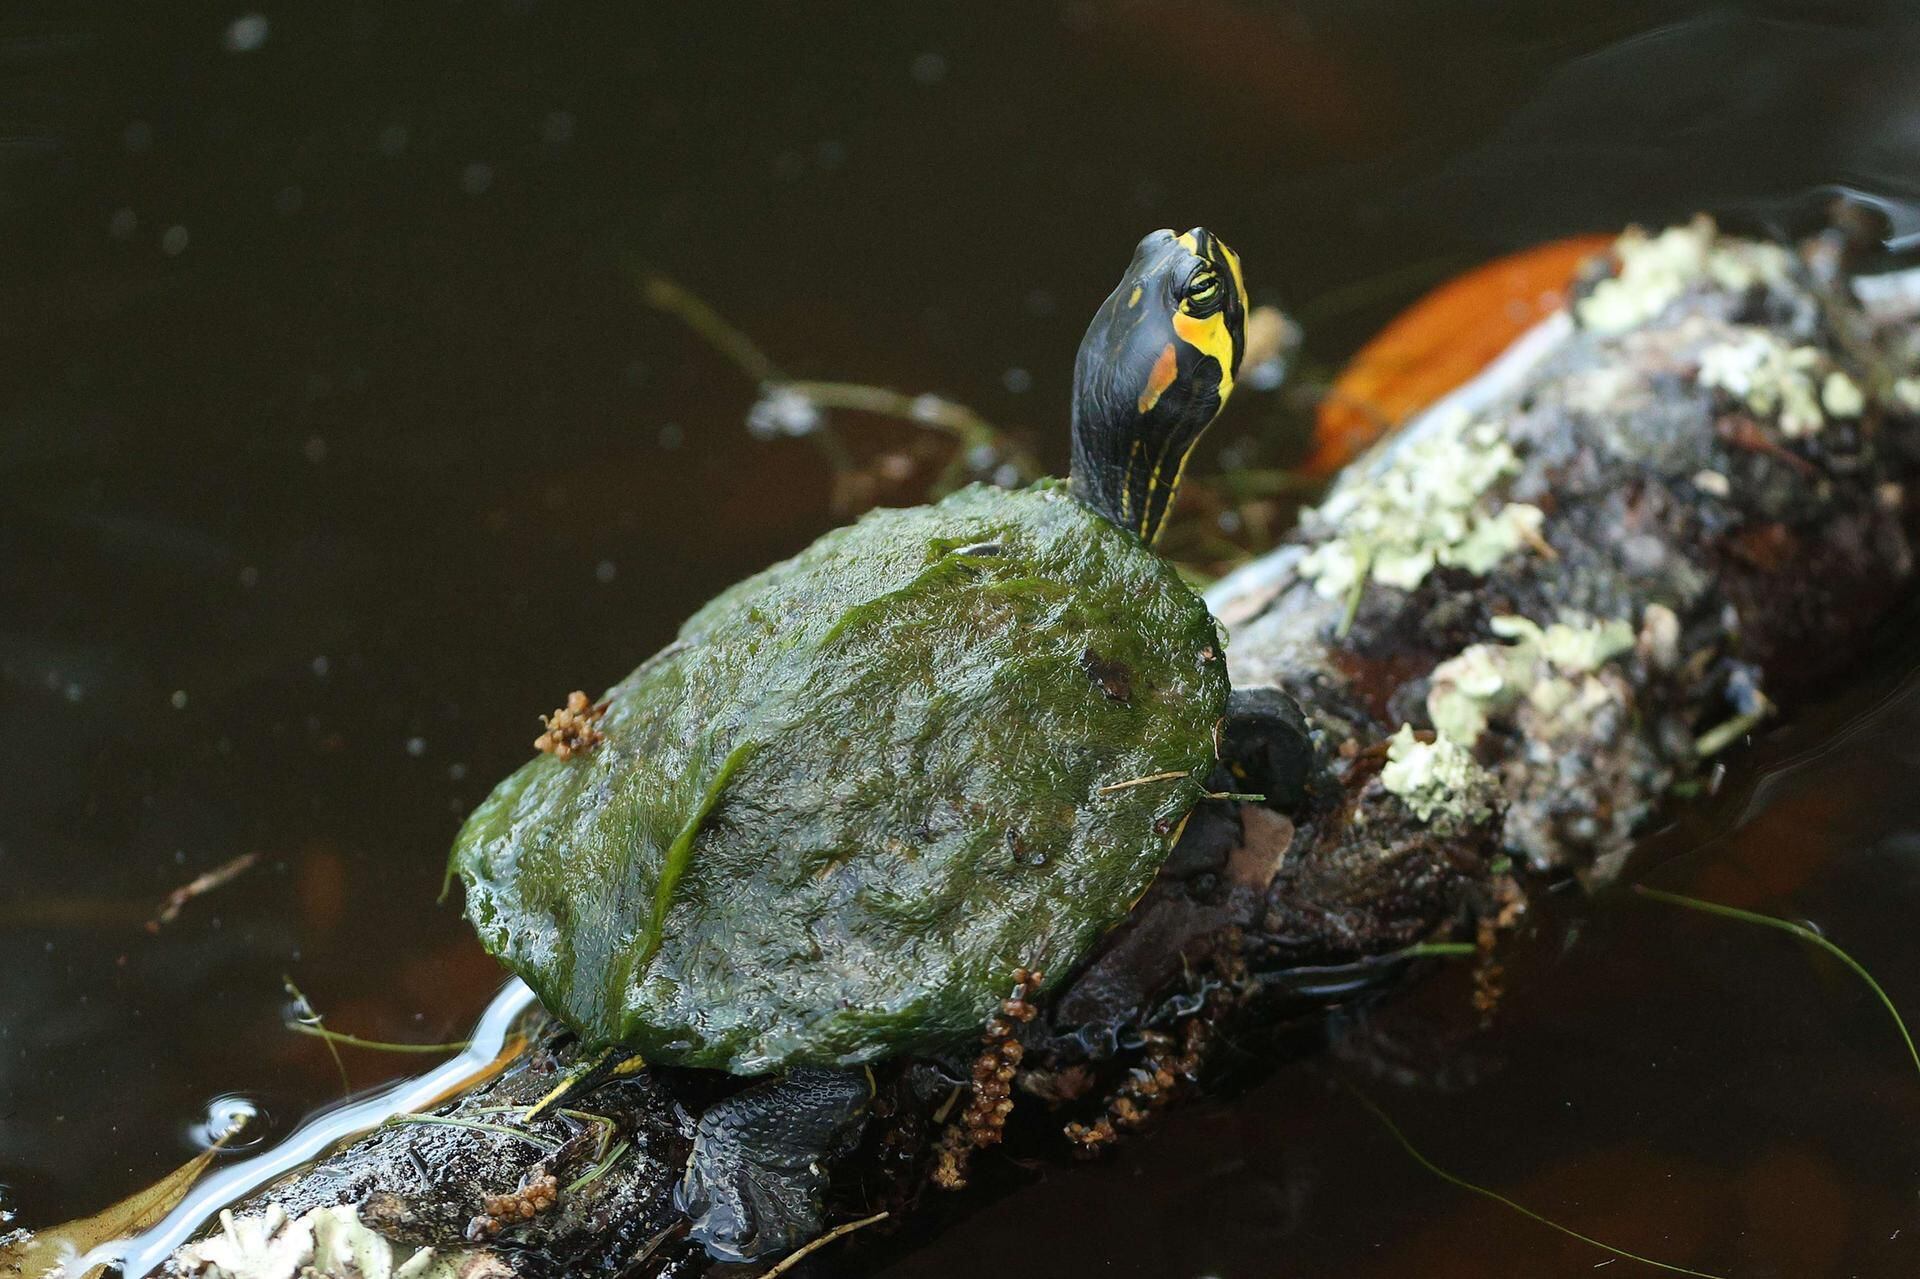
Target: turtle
(858,790)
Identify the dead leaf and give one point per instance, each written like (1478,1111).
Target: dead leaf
(43,1253)
(1440,342)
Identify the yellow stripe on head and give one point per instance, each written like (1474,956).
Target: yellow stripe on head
(1209,335)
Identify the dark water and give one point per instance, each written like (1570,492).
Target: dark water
(336,443)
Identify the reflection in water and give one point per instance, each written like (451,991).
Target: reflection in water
(226,1185)
(336,444)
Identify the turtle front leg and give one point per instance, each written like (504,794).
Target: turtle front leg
(759,1169)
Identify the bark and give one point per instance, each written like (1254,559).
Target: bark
(1515,631)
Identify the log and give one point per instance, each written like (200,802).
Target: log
(1513,632)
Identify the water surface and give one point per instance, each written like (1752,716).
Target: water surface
(336,443)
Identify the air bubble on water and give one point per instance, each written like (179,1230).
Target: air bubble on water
(173,241)
(604,571)
(289,200)
(557,128)
(1017,380)
(929,68)
(416,746)
(476,178)
(238,1118)
(783,412)
(1007,475)
(672,435)
(137,137)
(982,456)
(123,224)
(246,33)
(321,666)
(179,699)
(393,139)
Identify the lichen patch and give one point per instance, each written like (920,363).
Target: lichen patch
(1779,381)
(1552,668)
(1438,780)
(1429,508)
(1655,270)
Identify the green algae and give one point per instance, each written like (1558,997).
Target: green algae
(859,789)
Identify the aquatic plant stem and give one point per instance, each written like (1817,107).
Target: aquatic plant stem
(313,1019)
(1435,950)
(449,1121)
(796,1257)
(599,1169)
(373,1045)
(1502,1200)
(1805,934)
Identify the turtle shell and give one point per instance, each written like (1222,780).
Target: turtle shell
(826,823)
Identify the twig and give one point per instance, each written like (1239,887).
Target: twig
(1805,934)
(219,876)
(1142,781)
(794,1258)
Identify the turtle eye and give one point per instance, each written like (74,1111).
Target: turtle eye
(1202,287)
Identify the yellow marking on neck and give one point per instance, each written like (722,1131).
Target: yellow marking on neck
(1165,369)
(1148,529)
(1133,299)
(1126,484)
(1173,494)
(1187,241)
(1209,336)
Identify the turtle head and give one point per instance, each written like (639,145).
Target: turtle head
(1156,365)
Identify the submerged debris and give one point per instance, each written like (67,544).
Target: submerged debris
(199,886)
(573,729)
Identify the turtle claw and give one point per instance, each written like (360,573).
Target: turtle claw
(757,1178)
(1266,746)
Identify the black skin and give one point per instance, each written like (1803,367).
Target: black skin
(1156,365)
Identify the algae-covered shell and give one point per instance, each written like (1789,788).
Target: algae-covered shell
(828,821)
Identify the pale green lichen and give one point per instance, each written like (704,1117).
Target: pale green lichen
(1656,269)
(1771,378)
(1551,668)
(1840,396)
(1439,781)
(1427,508)
(326,1243)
